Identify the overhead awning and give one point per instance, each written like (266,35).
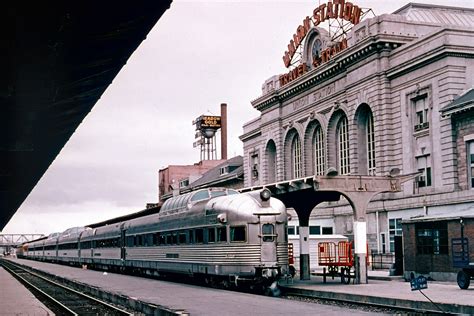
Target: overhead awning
(58,58)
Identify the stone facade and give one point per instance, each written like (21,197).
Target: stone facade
(372,109)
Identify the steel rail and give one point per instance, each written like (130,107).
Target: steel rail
(61,305)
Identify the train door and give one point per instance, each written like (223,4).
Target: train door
(268,240)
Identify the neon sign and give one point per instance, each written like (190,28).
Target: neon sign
(332,10)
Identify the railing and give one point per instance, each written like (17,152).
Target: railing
(17,239)
(382,261)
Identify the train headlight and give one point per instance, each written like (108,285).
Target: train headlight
(222,218)
(265,195)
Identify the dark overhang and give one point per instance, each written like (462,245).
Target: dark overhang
(58,57)
(462,103)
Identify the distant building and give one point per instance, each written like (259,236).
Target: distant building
(174,178)
(396,98)
(228,174)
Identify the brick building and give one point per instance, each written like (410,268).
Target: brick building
(393,99)
(427,244)
(179,179)
(174,178)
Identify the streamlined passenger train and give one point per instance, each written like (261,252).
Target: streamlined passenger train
(215,234)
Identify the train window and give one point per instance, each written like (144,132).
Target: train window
(217,193)
(168,239)
(327,230)
(162,239)
(238,234)
(315,230)
(156,239)
(191,236)
(291,230)
(130,241)
(221,234)
(182,238)
(268,232)
(174,238)
(211,234)
(199,236)
(200,195)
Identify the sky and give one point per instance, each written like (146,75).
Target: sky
(200,54)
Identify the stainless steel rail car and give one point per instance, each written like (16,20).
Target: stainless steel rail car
(236,237)
(216,234)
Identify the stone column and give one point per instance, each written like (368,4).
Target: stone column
(360,251)
(304,253)
(359,202)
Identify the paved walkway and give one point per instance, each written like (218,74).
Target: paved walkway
(391,290)
(192,299)
(15,299)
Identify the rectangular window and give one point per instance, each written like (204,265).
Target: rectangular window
(424,166)
(470,163)
(238,234)
(211,235)
(291,230)
(224,170)
(421,113)
(431,238)
(199,236)
(221,234)
(162,239)
(254,166)
(183,183)
(327,230)
(383,242)
(268,233)
(394,229)
(182,238)
(315,230)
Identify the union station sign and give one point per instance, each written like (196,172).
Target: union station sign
(337,9)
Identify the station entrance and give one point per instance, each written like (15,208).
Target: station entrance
(306,193)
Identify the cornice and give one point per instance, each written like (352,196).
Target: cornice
(325,73)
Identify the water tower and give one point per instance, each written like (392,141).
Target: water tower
(206,128)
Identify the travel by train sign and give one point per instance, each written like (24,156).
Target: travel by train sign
(332,10)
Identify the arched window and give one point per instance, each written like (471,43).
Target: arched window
(271,161)
(370,145)
(318,151)
(342,133)
(296,157)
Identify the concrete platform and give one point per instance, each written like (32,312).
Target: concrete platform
(15,299)
(184,298)
(385,290)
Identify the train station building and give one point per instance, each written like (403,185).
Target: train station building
(394,95)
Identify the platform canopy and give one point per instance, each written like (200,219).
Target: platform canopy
(58,57)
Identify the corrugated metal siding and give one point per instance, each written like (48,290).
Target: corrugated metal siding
(242,254)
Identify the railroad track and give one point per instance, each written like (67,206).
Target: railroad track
(60,299)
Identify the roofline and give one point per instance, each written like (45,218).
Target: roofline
(429,6)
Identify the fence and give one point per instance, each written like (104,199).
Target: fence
(382,261)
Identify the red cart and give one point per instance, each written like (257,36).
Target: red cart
(338,258)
